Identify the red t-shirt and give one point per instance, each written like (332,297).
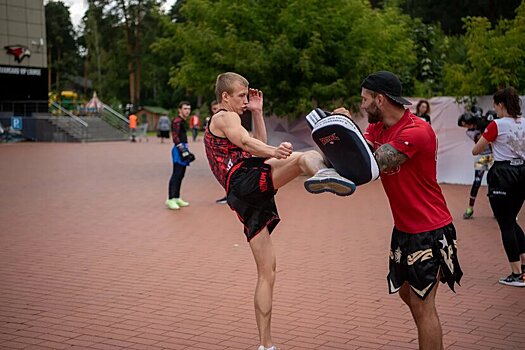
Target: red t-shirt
(415,197)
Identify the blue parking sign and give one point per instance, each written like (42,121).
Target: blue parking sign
(16,123)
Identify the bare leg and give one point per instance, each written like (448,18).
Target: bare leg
(264,255)
(285,170)
(425,315)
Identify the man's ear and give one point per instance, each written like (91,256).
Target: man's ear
(380,99)
(225,96)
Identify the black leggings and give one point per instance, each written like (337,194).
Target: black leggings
(478,176)
(506,197)
(176,180)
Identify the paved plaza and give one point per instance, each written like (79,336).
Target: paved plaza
(91,259)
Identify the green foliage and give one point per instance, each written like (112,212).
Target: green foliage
(450,13)
(62,48)
(495,57)
(302,54)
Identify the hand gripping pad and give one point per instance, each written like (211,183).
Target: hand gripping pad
(341,141)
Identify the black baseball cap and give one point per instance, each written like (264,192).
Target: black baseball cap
(386,83)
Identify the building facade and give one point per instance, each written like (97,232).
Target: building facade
(23,56)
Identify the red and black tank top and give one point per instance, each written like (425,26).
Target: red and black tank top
(222,154)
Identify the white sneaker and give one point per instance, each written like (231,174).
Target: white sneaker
(328,180)
(270,348)
(172,204)
(181,203)
(512,280)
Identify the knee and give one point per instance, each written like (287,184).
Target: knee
(303,157)
(422,308)
(268,272)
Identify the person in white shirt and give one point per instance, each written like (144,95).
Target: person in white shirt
(506,178)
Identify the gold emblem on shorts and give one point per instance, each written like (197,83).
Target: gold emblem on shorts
(396,255)
(419,255)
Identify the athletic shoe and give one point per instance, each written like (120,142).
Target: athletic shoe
(328,180)
(172,204)
(221,200)
(270,348)
(181,203)
(468,213)
(513,280)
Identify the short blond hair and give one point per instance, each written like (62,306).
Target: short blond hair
(225,83)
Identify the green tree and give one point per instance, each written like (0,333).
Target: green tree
(62,50)
(302,53)
(449,13)
(119,56)
(105,48)
(495,57)
(128,19)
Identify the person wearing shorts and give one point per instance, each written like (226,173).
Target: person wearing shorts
(251,172)
(423,246)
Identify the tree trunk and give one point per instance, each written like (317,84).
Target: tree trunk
(57,71)
(137,66)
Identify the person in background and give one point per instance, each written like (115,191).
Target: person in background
(506,178)
(133,126)
(423,110)
(195,125)
(483,162)
(163,128)
(180,155)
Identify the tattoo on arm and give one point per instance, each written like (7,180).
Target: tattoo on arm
(388,157)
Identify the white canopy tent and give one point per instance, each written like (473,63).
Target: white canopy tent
(94,106)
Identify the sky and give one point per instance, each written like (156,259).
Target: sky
(78,7)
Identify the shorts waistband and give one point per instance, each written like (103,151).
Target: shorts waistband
(513,162)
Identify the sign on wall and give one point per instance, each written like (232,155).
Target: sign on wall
(18,51)
(16,123)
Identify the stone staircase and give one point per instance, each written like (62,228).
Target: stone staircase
(97,130)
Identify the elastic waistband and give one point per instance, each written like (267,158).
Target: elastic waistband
(513,162)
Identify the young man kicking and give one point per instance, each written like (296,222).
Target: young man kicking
(251,172)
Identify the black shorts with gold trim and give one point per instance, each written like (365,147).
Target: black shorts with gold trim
(420,258)
(251,195)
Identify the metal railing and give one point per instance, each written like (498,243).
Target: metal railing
(114,118)
(71,124)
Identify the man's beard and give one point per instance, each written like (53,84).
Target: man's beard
(374,113)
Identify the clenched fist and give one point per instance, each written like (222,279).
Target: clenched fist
(283,151)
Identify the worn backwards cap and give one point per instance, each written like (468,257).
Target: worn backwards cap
(386,83)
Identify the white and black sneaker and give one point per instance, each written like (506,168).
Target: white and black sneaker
(328,180)
(515,280)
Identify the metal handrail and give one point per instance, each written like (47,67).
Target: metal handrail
(114,118)
(74,125)
(69,114)
(115,113)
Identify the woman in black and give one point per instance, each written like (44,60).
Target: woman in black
(506,178)
(423,110)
